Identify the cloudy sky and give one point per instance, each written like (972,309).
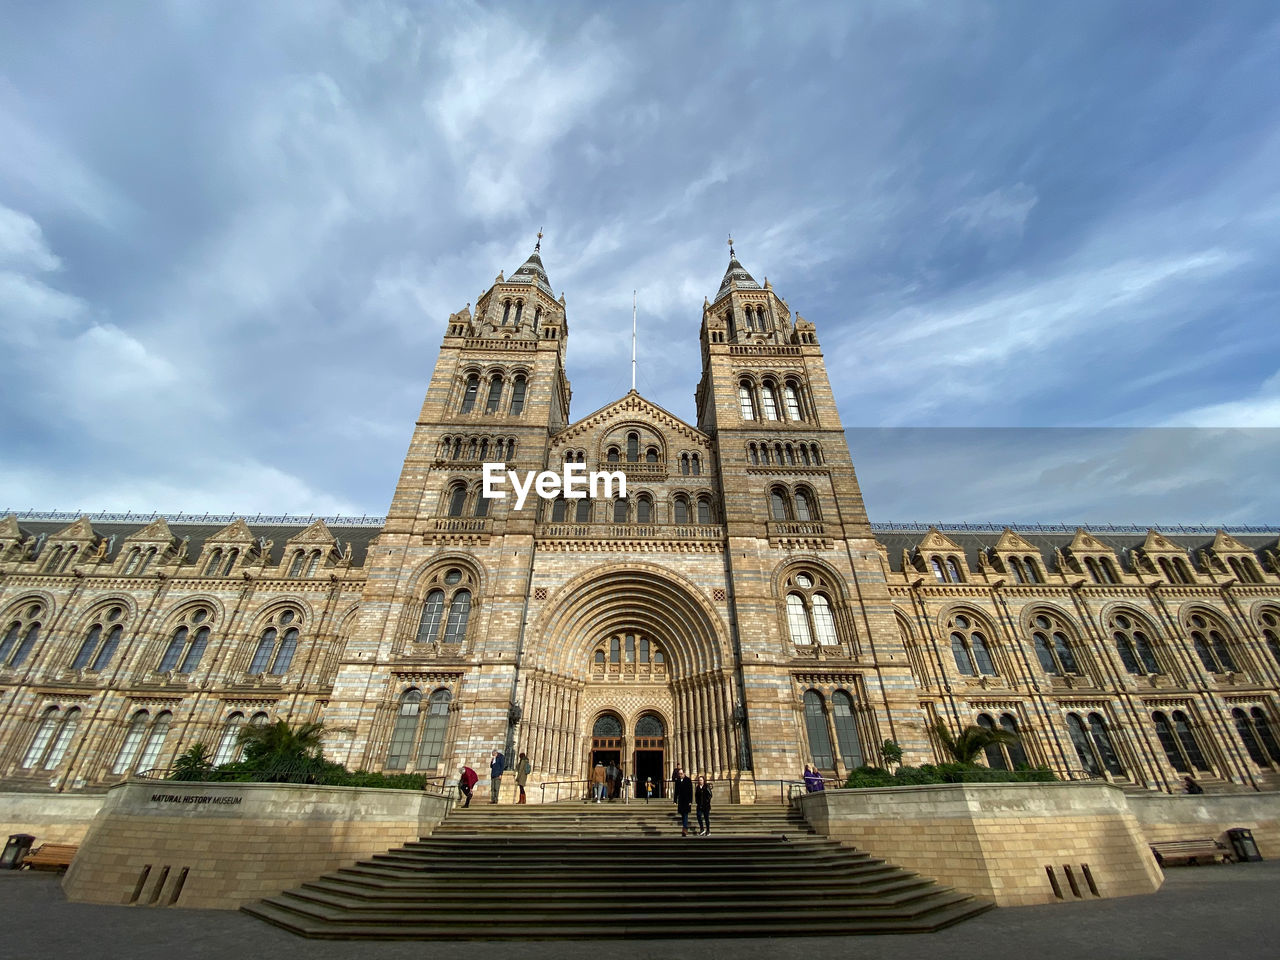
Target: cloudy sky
(1039,241)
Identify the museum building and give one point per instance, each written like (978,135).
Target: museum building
(736,612)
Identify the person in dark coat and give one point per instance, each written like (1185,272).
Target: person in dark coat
(702,800)
(812,779)
(466,781)
(611,781)
(496,766)
(683,792)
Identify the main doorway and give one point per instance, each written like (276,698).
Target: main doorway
(606,749)
(649,756)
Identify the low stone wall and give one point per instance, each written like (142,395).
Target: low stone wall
(1186,817)
(49,817)
(996,840)
(220,845)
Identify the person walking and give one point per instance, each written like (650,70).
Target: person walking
(496,766)
(702,799)
(523,768)
(598,781)
(466,781)
(683,791)
(648,789)
(611,780)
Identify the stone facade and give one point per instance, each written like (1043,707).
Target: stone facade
(737,612)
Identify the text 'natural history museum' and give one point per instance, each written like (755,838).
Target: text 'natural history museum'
(734,612)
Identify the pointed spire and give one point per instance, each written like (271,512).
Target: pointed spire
(736,276)
(532,270)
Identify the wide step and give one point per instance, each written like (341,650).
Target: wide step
(571,872)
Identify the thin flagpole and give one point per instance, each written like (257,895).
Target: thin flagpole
(633,339)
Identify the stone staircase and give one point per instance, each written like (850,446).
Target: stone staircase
(601,871)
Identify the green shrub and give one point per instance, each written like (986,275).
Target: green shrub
(945,773)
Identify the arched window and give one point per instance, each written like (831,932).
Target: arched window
(1093,744)
(953,570)
(696,462)
(1054,649)
(433,730)
(432,614)
(494,401)
(229,742)
(824,624)
(582,513)
(684,464)
(633,447)
(132,743)
(804,506)
(405,731)
(644,509)
(174,651)
(607,725)
(95,653)
(1014,751)
(26,625)
(651,455)
(1084,747)
(295,568)
(1211,646)
(53,737)
(769,401)
(1262,724)
(611,455)
(969,648)
(1178,742)
(154,742)
(778,504)
(214,565)
(132,563)
(1244,728)
(558,508)
(519,311)
(313,564)
(704,510)
(793,401)
(1033,570)
(232,556)
(469,393)
(506,313)
(1133,645)
(682,510)
(798,620)
(939,574)
(51,564)
(995,757)
(615,649)
(262,655)
(459,613)
(650,726)
(457,500)
(284,656)
(620,510)
(846,730)
(815,721)
(746,404)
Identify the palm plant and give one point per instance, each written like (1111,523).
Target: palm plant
(281,748)
(965,746)
(193,764)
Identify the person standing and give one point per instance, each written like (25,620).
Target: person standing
(611,780)
(683,792)
(812,779)
(496,766)
(597,781)
(702,799)
(523,768)
(466,781)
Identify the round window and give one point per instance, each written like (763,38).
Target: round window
(1122,622)
(33,611)
(1268,618)
(114,614)
(804,580)
(453,576)
(1198,621)
(1042,623)
(962,622)
(198,616)
(286,617)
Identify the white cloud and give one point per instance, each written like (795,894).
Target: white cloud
(22,243)
(1260,410)
(1002,211)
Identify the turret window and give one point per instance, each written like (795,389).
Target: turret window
(470,393)
(633,447)
(778,504)
(681,510)
(644,509)
(582,513)
(518,387)
(620,510)
(792,399)
(769,401)
(746,403)
(494,401)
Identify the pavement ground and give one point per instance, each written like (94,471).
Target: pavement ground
(1218,912)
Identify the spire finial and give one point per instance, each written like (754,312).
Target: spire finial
(731,253)
(537,247)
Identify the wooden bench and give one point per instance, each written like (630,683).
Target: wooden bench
(1190,851)
(50,856)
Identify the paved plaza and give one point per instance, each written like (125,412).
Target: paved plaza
(1219,912)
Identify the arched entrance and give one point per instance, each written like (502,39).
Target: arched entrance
(648,759)
(606,745)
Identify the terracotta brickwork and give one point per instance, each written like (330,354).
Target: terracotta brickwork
(790,630)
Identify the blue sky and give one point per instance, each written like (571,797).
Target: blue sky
(231,234)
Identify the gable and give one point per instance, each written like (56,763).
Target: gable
(316,533)
(82,529)
(935,542)
(235,532)
(632,409)
(1084,542)
(1158,543)
(1226,543)
(157,531)
(1014,542)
